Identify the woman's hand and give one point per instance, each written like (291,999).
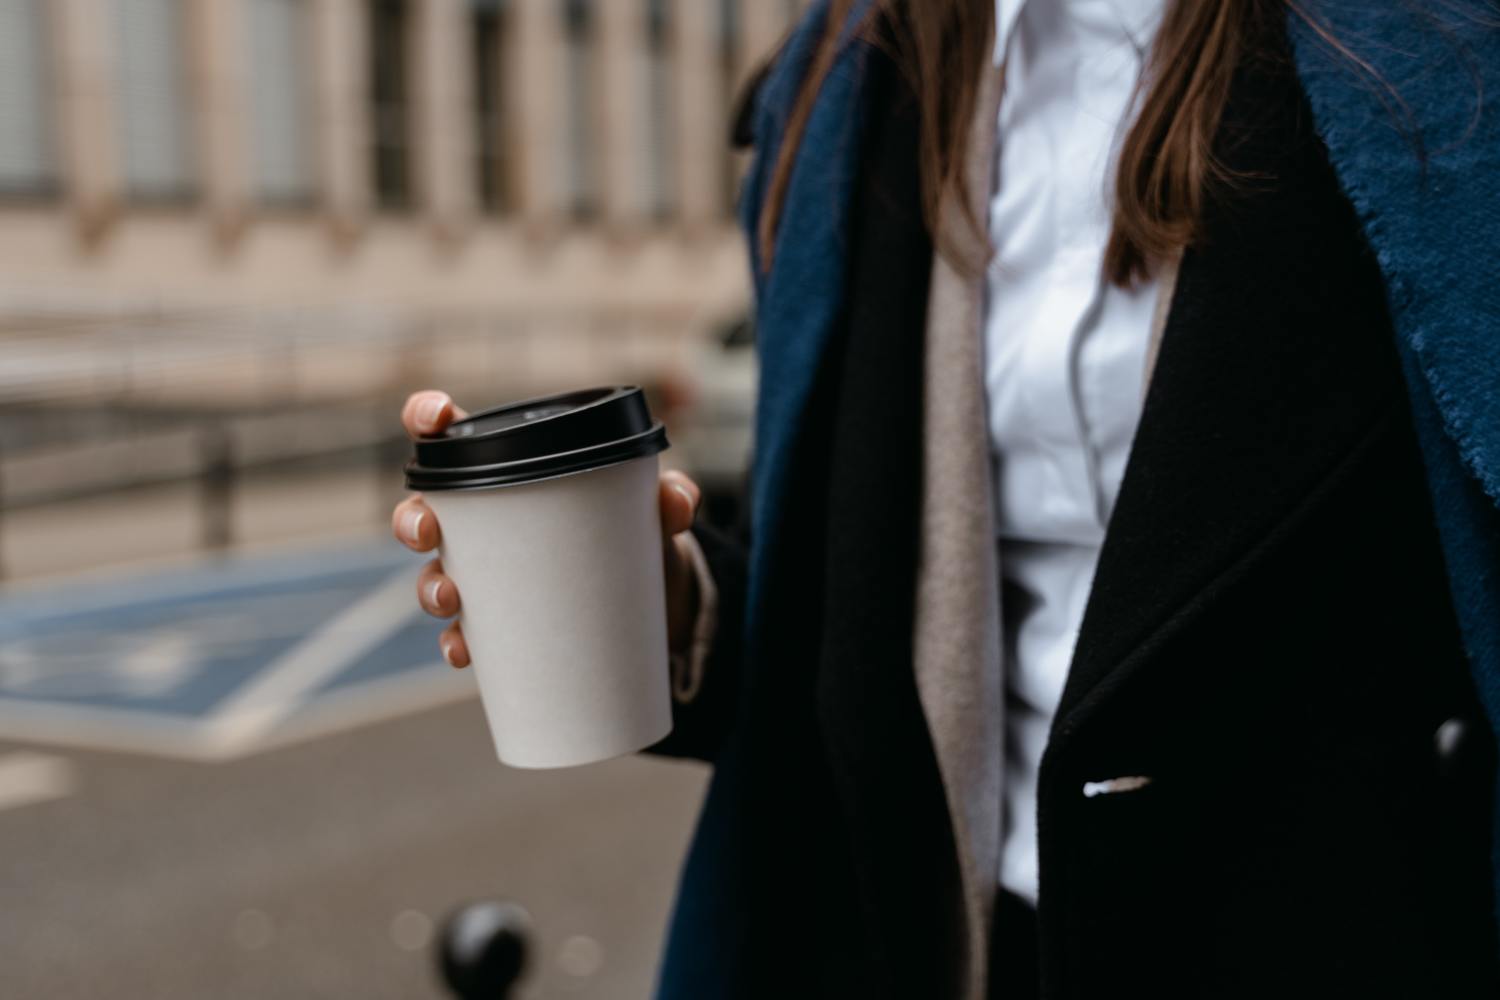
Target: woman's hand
(415,525)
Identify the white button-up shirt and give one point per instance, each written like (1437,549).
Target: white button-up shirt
(1065,353)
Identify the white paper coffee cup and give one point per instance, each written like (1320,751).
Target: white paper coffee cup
(551,531)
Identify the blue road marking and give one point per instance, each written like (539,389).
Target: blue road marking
(177,646)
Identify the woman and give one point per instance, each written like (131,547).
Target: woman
(1025,270)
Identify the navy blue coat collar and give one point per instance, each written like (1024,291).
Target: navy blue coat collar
(1433,221)
(798,298)
(1413,132)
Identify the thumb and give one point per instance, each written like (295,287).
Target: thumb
(428,412)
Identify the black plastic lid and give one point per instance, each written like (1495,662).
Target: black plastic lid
(538,439)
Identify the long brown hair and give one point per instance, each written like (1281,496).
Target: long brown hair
(1166,167)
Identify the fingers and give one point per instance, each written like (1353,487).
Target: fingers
(428,412)
(455,650)
(439,597)
(436,591)
(414,525)
(679,500)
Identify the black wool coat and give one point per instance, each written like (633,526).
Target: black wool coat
(1269,639)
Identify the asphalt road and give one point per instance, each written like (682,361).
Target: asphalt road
(324,868)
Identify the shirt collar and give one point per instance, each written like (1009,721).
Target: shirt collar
(1138,19)
(1007,12)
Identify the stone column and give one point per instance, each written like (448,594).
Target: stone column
(217,45)
(533,91)
(701,127)
(87,132)
(762,23)
(341,64)
(443,114)
(621,41)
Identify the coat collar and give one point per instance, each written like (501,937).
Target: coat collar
(796,306)
(1427,216)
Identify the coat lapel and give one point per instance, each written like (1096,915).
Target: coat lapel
(1269,373)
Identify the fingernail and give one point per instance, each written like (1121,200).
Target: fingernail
(429,410)
(692,503)
(435,593)
(411,524)
(447,648)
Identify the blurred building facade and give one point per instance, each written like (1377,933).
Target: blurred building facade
(486,153)
(220,216)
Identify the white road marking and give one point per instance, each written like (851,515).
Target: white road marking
(372,702)
(27,778)
(281,688)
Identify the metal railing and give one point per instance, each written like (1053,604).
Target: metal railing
(103,405)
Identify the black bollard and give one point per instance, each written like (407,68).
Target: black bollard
(483,949)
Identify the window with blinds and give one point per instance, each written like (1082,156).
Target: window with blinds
(154,110)
(660,135)
(729,49)
(580,160)
(27,155)
(490,20)
(390,125)
(281,128)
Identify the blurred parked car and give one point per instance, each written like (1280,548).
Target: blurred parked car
(718,419)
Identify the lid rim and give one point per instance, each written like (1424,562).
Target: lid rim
(650,442)
(560,456)
(537,438)
(505,483)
